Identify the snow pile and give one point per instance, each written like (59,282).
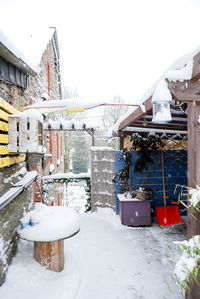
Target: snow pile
(30,113)
(182,74)
(161,93)
(48,223)
(195,197)
(109,216)
(187,265)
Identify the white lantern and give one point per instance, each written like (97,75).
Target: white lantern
(161,112)
(161,103)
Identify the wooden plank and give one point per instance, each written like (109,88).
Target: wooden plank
(3,115)
(3,150)
(11,160)
(50,254)
(7,107)
(193,226)
(3,126)
(136,114)
(3,138)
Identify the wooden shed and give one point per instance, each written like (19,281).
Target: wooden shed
(183,83)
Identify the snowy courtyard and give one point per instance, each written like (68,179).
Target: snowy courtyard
(104,261)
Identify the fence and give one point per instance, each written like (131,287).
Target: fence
(68,189)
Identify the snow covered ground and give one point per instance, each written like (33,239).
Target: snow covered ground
(104,261)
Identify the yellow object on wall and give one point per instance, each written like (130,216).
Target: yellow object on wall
(7,159)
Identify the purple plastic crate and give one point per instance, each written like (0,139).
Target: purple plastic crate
(134,212)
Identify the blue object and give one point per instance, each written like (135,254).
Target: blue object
(175,173)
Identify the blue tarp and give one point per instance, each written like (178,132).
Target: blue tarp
(151,177)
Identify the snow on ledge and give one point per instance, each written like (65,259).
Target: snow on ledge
(68,175)
(95,148)
(8,196)
(62,124)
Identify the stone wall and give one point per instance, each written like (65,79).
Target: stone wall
(18,97)
(102,173)
(9,221)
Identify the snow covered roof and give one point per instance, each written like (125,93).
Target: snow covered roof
(13,55)
(181,71)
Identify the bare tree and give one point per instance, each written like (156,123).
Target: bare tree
(113,113)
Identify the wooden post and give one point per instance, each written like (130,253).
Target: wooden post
(50,254)
(193,226)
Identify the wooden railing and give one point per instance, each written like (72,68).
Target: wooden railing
(7,158)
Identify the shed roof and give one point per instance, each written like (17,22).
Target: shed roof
(13,55)
(184,86)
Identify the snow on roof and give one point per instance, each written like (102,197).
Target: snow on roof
(32,42)
(11,53)
(180,70)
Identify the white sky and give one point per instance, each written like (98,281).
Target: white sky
(109,47)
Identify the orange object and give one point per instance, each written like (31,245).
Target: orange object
(167,215)
(50,146)
(57,145)
(48,75)
(60,144)
(58,196)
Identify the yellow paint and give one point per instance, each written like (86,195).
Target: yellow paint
(3,115)
(3,138)
(75,110)
(3,150)
(3,126)
(5,110)
(11,160)
(7,107)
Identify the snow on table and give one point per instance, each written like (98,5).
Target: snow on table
(46,224)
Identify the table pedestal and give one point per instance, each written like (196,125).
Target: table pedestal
(50,254)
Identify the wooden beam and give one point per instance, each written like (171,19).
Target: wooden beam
(3,150)
(193,226)
(7,107)
(11,160)
(186,91)
(3,138)
(3,126)
(136,114)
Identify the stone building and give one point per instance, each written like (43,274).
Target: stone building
(22,84)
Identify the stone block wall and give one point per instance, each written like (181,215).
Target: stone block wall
(102,173)
(9,221)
